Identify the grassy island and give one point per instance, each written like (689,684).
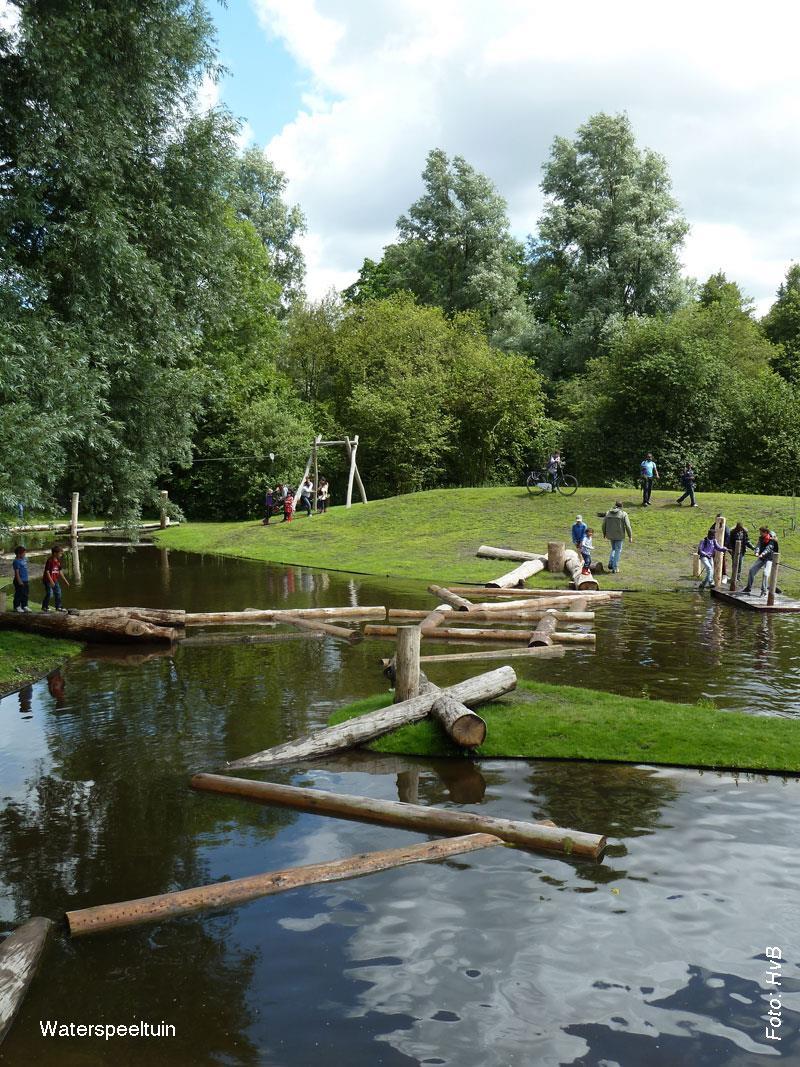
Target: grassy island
(433,536)
(26,657)
(562,722)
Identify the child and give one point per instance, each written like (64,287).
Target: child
(306,496)
(586,550)
(269,502)
(705,550)
(21,583)
(52,578)
(288,506)
(579,529)
(322,496)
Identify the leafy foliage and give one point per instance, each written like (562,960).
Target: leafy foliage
(782,325)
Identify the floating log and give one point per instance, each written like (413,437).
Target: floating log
(554,652)
(472,691)
(543,634)
(410,816)
(573,565)
(518,576)
(458,603)
(317,626)
(79,628)
(434,618)
(484,591)
(498,614)
(208,640)
(406,674)
(231,618)
(487,552)
(556,551)
(20,955)
(463,726)
(241,890)
(577,608)
(464,633)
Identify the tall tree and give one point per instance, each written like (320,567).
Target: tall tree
(608,241)
(781,324)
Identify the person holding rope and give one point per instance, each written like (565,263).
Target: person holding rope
(766,551)
(739,536)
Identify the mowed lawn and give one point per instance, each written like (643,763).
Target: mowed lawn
(433,536)
(24,657)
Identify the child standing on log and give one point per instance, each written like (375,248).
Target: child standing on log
(21,582)
(52,578)
(586,550)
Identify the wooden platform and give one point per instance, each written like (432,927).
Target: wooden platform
(754,602)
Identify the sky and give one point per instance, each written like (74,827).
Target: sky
(348,96)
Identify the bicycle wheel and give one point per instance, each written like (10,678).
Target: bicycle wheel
(533,483)
(568,485)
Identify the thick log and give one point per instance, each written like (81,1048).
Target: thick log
(434,619)
(696,565)
(498,615)
(518,576)
(521,652)
(565,638)
(407,681)
(458,603)
(573,565)
(317,626)
(73,523)
(555,556)
(463,726)
(773,580)
(156,616)
(543,634)
(232,618)
(719,557)
(577,608)
(208,640)
(20,955)
(472,691)
(464,633)
(483,591)
(409,816)
(487,552)
(78,628)
(240,890)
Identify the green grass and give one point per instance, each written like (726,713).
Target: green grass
(561,722)
(433,536)
(26,657)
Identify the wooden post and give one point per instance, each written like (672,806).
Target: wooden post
(556,551)
(352,452)
(719,534)
(773,580)
(737,555)
(316,477)
(241,890)
(20,954)
(75,555)
(464,726)
(164,518)
(410,816)
(350,447)
(406,683)
(695,564)
(73,523)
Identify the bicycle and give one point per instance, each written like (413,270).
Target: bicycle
(539,482)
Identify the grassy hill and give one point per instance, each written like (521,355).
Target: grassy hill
(433,536)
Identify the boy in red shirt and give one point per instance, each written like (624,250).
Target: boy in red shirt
(52,578)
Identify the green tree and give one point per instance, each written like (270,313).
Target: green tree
(781,325)
(608,241)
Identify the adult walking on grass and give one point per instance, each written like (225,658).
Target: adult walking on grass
(616,527)
(648,471)
(688,481)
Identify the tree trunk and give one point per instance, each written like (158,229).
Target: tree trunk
(406,684)
(542,635)
(518,576)
(487,552)
(240,890)
(555,556)
(573,565)
(317,626)
(464,633)
(484,591)
(463,726)
(232,618)
(433,620)
(410,816)
(554,652)
(515,615)
(20,955)
(156,616)
(79,628)
(472,691)
(458,603)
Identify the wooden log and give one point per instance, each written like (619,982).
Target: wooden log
(562,637)
(78,628)
(577,608)
(472,692)
(434,619)
(719,557)
(695,564)
(573,565)
(521,652)
(156,616)
(406,684)
(458,633)
(409,816)
(73,522)
(458,603)
(518,576)
(555,556)
(542,635)
(499,615)
(209,640)
(231,618)
(163,521)
(317,626)
(487,552)
(20,955)
(483,591)
(75,559)
(350,448)
(241,890)
(462,725)
(773,580)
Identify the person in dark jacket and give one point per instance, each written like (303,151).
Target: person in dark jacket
(766,550)
(739,536)
(688,483)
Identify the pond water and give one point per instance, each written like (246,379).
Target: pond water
(656,955)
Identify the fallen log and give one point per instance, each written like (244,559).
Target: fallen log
(458,603)
(409,816)
(476,590)
(208,640)
(543,634)
(464,633)
(232,618)
(462,725)
(434,619)
(156,616)
(106,917)
(79,628)
(20,955)
(573,565)
(518,576)
(498,614)
(553,652)
(472,691)
(487,552)
(317,626)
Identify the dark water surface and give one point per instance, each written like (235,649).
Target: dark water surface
(654,956)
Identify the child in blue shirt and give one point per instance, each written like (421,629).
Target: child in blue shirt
(578,532)
(21,581)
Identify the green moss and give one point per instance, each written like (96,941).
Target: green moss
(562,722)
(26,657)
(433,536)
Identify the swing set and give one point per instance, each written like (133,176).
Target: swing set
(350,447)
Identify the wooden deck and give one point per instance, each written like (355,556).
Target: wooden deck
(754,602)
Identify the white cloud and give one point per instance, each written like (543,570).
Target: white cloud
(208,94)
(245,137)
(495,81)
(9,17)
